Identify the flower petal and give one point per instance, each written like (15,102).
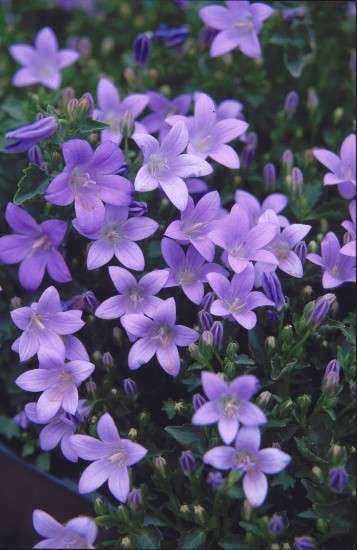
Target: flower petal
(255,487)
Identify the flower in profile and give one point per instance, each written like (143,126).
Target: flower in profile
(161,108)
(79,532)
(337,268)
(171,36)
(275,201)
(165,166)
(134,296)
(27,136)
(90,179)
(118,113)
(187,270)
(239,24)
(229,404)
(34,246)
(245,456)
(235,298)
(349,249)
(111,456)
(116,237)
(43,324)
(58,381)
(197,221)
(208,136)
(41,64)
(158,335)
(342,169)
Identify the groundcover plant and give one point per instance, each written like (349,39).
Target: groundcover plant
(177,268)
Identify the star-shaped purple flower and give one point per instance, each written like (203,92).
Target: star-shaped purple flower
(165,166)
(111,456)
(239,24)
(245,456)
(276,202)
(229,404)
(235,298)
(342,168)
(42,64)
(116,237)
(34,246)
(349,249)
(162,107)
(90,179)
(134,296)
(158,335)
(43,324)
(79,532)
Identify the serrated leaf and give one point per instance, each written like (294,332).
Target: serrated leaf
(193,539)
(32,184)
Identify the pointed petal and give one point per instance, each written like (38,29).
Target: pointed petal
(255,487)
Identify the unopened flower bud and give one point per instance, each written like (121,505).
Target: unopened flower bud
(86,104)
(276,525)
(15,302)
(331,377)
(269,176)
(300,250)
(264,399)
(67,95)
(321,308)
(291,103)
(130,387)
(287,160)
(215,480)
(217,334)
(304,543)
(198,401)
(91,386)
(287,332)
(337,115)
(184,509)
(142,45)
(207,301)
(125,542)
(90,302)
(313,246)
(117,336)
(187,462)
(97,357)
(270,343)
(338,479)
(297,180)
(135,499)
(272,287)
(200,513)
(107,360)
(138,209)
(160,465)
(303,403)
(248,155)
(205,319)
(34,154)
(127,124)
(207,338)
(72,107)
(312,100)
(84,47)
(133,434)
(317,472)
(286,407)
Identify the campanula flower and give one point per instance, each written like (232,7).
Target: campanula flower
(79,532)
(342,169)
(161,108)
(275,201)
(349,249)
(27,136)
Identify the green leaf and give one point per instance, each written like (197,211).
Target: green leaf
(192,539)
(88,126)
(28,449)
(169,408)
(151,519)
(251,528)
(43,461)
(148,539)
(187,435)
(8,427)
(284,480)
(32,184)
(231,542)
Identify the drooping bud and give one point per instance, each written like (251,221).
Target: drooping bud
(273,289)
(130,387)
(269,176)
(291,103)
(138,209)
(217,334)
(135,499)
(187,462)
(297,180)
(215,480)
(338,479)
(197,401)
(276,525)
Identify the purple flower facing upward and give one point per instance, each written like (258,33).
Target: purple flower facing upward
(58,381)
(43,323)
(165,166)
(187,270)
(60,428)
(41,64)
(90,179)
(27,136)
(235,298)
(116,237)
(229,404)
(111,456)
(207,135)
(161,108)
(239,24)
(255,463)
(196,224)
(337,268)
(276,202)
(79,532)
(117,113)
(349,249)
(342,168)
(134,296)
(34,246)
(158,335)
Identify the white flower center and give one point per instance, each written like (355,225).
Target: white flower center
(230,406)
(73,540)
(202,144)
(157,165)
(66,379)
(38,320)
(282,251)
(244,460)
(119,457)
(187,277)
(136,295)
(80,180)
(247,24)
(195,230)
(236,251)
(112,232)
(235,305)
(42,242)
(164,335)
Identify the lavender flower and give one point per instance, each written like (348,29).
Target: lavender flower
(172,36)
(304,543)
(111,456)
(349,249)
(34,246)
(236,298)
(229,404)
(291,103)
(158,335)
(215,480)
(255,463)
(275,202)
(43,323)
(273,289)
(27,136)
(187,462)
(337,268)
(79,532)
(165,166)
(161,108)
(342,169)
(239,24)
(21,419)
(43,63)
(142,45)
(338,479)
(133,297)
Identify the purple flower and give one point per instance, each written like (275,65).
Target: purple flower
(79,532)
(172,36)
(134,296)
(349,249)
(116,112)
(342,168)
(116,237)
(158,335)
(207,135)
(291,103)
(255,463)
(21,419)
(276,202)
(43,323)
(229,108)
(236,298)
(161,108)
(276,525)
(337,268)
(142,46)
(273,289)
(187,462)
(58,381)
(338,479)
(229,404)
(43,63)
(239,24)
(165,166)
(27,136)
(217,334)
(331,377)
(196,224)
(304,543)
(215,480)
(35,247)
(111,456)
(60,428)
(89,179)
(187,270)
(321,308)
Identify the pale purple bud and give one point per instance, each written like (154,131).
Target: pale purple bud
(205,319)
(90,302)
(160,464)
(287,159)
(332,374)
(215,480)
(107,360)
(276,525)
(269,176)
(142,45)
(217,333)
(197,401)
(273,289)
(130,387)
(135,498)
(304,543)
(321,308)
(207,301)
(34,154)
(291,103)
(187,462)
(27,136)
(86,103)
(338,479)
(297,180)
(67,94)
(126,124)
(138,209)
(252,139)
(300,250)
(91,386)
(21,420)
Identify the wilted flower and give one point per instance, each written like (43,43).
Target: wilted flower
(79,532)
(27,136)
